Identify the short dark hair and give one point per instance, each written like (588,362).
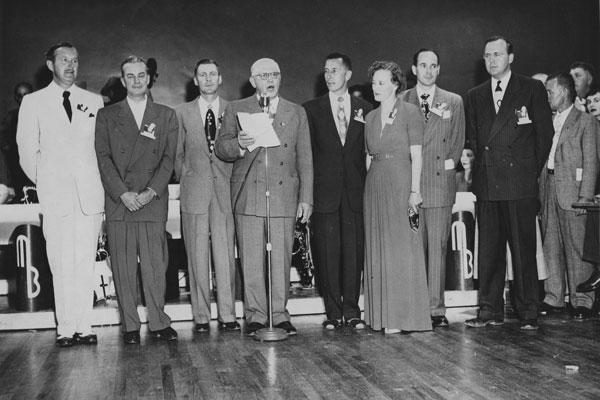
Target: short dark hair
(345,59)
(595,88)
(584,66)
(565,80)
(133,60)
(509,46)
(51,53)
(205,61)
(416,56)
(395,71)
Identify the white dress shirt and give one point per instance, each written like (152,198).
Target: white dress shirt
(498,96)
(138,108)
(558,121)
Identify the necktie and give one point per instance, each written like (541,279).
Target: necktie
(342,119)
(497,95)
(67,104)
(498,87)
(210,128)
(425,106)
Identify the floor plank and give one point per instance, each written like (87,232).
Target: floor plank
(455,363)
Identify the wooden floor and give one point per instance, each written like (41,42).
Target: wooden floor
(455,363)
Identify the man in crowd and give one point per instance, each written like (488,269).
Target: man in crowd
(136,141)
(336,123)
(509,125)
(205,197)
(442,147)
(290,182)
(583,74)
(55,137)
(569,177)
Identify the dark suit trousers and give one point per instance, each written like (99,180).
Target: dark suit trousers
(499,221)
(127,240)
(252,234)
(338,251)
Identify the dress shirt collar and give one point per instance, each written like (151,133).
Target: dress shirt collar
(421,90)
(138,108)
(203,104)
(273,104)
(503,82)
(561,117)
(58,91)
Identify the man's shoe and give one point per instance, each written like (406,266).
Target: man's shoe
(65,341)
(481,322)
(357,324)
(164,334)
(201,327)
(547,309)
(87,339)
(252,327)
(581,314)
(439,321)
(131,337)
(591,284)
(332,324)
(229,326)
(288,327)
(529,325)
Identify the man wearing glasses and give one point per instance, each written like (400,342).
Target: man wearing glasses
(290,174)
(509,125)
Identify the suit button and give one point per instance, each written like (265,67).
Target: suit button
(149,171)
(281,182)
(281,163)
(487,148)
(438,157)
(444,140)
(285,145)
(437,173)
(122,150)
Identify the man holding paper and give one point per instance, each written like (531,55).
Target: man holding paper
(290,174)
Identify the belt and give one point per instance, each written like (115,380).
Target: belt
(550,171)
(382,156)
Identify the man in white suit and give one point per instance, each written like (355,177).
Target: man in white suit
(55,137)
(206,200)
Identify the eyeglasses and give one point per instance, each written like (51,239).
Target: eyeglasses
(267,75)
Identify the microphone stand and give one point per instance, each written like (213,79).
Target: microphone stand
(270,333)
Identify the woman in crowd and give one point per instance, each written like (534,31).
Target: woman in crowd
(464,172)
(395,279)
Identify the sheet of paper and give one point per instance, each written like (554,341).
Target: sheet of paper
(260,127)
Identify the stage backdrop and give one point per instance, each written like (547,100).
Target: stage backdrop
(548,35)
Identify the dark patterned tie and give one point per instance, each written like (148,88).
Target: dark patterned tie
(499,101)
(210,129)
(342,120)
(425,106)
(67,104)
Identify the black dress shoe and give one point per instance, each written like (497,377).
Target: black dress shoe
(581,314)
(131,337)
(87,339)
(288,327)
(439,321)
(202,327)
(529,325)
(164,334)
(65,341)
(547,309)
(229,326)
(252,327)
(591,284)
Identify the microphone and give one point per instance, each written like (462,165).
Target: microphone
(264,102)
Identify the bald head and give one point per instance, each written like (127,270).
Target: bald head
(265,77)
(540,76)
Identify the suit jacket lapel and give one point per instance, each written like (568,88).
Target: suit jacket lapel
(507,107)
(353,125)
(142,141)
(566,130)
(329,118)
(196,121)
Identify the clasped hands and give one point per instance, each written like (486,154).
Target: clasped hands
(136,201)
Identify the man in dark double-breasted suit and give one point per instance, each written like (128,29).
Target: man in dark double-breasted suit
(206,200)
(336,122)
(290,182)
(509,125)
(136,141)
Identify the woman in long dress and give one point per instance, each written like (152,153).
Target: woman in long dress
(395,279)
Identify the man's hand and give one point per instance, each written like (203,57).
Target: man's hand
(245,140)
(304,212)
(146,196)
(131,201)
(582,211)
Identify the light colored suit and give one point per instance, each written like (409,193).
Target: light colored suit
(442,146)
(58,155)
(575,172)
(205,197)
(131,162)
(290,183)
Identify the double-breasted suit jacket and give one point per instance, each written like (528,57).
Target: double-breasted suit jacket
(290,183)
(205,197)
(337,221)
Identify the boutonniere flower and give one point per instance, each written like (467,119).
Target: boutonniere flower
(149,131)
(83,108)
(441,106)
(392,116)
(358,115)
